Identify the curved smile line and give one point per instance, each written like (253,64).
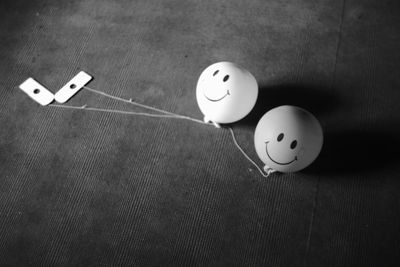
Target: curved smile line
(216,100)
(287,163)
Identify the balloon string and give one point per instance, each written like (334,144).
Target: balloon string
(167,114)
(116,111)
(244,153)
(130,101)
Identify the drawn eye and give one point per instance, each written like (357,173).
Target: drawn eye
(293,144)
(216,72)
(280,137)
(226,78)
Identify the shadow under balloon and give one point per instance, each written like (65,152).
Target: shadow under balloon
(356,152)
(316,99)
(344,152)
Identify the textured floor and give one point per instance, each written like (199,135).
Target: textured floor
(83,188)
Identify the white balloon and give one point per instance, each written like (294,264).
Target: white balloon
(288,139)
(226,92)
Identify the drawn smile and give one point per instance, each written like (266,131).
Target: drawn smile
(219,99)
(280,163)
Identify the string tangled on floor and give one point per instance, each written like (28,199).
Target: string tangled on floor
(165,114)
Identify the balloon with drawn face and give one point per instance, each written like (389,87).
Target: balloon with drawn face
(288,139)
(226,92)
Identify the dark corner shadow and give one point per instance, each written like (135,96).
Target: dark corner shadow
(14,16)
(316,99)
(356,152)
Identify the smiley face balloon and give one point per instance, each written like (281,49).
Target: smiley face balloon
(226,93)
(288,139)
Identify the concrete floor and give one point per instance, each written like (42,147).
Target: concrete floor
(82,188)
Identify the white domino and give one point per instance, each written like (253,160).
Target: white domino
(37,92)
(72,87)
